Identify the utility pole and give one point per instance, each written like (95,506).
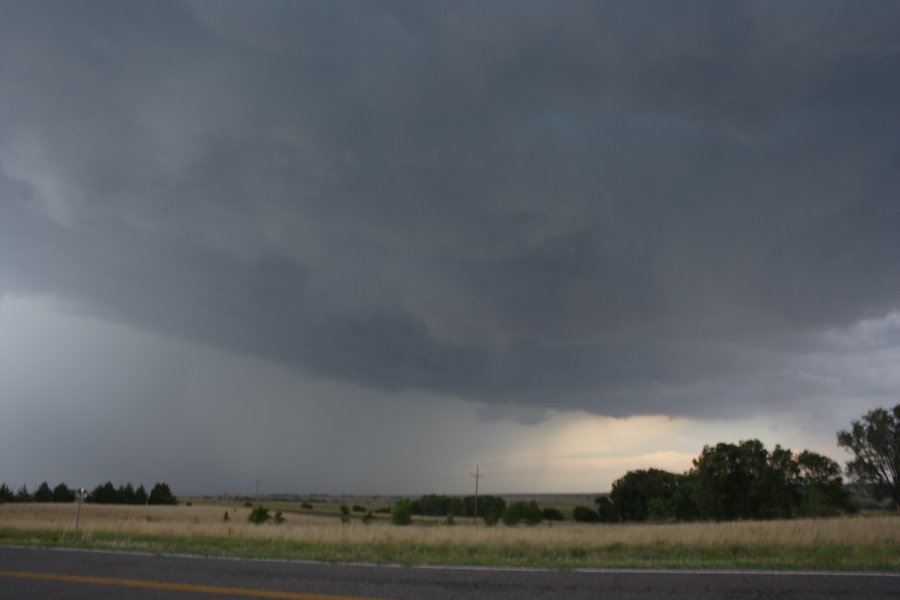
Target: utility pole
(257,489)
(477,475)
(80,495)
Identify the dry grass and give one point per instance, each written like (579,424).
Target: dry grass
(206,521)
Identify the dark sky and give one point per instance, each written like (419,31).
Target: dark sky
(245,232)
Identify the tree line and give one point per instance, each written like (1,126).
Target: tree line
(491,509)
(747,481)
(728,482)
(105,493)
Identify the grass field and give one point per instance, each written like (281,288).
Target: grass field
(846,543)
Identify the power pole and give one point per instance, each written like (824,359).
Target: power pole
(257,489)
(80,495)
(477,475)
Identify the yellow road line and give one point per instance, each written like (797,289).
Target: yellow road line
(181,587)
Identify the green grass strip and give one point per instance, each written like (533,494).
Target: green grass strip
(832,557)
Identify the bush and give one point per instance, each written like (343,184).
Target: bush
(259,515)
(366,518)
(493,516)
(279,518)
(606,512)
(552,514)
(359,509)
(306,506)
(583,514)
(522,512)
(438,505)
(486,505)
(401,512)
(226,517)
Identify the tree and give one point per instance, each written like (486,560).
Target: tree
(161,494)
(401,512)
(552,514)
(875,444)
(821,487)
(43,493)
(258,515)
(486,505)
(22,495)
(522,512)
(126,494)
(606,512)
(6,494)
(583,514)
(736,481)
(631,494)
(104,494)
(62,493)
(438,505)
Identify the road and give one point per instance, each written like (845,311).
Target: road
(51,574)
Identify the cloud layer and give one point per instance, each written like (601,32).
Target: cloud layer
(621,208)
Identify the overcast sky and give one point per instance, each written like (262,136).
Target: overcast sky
(362,246)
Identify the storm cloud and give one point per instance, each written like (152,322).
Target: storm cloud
(622,208)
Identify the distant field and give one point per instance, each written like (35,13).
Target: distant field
(846,543)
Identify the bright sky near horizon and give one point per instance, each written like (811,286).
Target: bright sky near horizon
(358,246)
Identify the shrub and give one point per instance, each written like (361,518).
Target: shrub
(359,509)
(492,517)
(367,518)
(279,518)
(552,514)
(306,506)
(401,512)
(583,514)
(485,505)
(226,517)
(259,515)
(522,512)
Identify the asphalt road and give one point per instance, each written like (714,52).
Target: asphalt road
(55,574)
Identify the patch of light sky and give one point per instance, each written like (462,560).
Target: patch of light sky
(156,402)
